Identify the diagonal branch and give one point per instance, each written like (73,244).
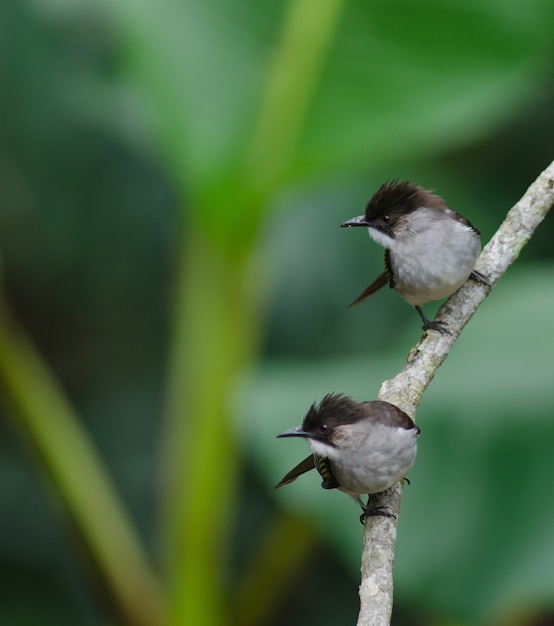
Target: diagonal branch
(407,387)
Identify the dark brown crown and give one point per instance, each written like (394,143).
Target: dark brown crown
(400,198)
(337,409)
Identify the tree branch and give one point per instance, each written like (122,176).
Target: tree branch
(407,387)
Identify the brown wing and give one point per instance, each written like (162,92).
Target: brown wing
(464,220)
(390,415)
(379,282)
(304,466)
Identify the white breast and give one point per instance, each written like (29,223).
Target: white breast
(433,257)
(371,462)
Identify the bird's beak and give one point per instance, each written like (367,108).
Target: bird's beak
(294,432)
(356,221)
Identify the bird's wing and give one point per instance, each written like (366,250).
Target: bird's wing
(390,415)
(379,282)
(304,466)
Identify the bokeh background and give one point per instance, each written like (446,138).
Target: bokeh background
(174,290)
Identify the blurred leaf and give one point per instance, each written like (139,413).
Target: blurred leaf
(423,75)
(397,76)
(44,417)
(477,508)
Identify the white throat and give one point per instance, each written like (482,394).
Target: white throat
(380,237)
(323,449)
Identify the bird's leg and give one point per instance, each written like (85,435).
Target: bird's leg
(372,510)
(431,325)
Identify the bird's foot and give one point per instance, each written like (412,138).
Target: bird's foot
(430,324)
(440,327)
(373,511)
(480,278)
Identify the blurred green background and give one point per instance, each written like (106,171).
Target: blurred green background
(173,294)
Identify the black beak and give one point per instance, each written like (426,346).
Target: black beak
(356,221)
(294,432)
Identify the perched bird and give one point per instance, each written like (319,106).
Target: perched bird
(358,447)
(430,250)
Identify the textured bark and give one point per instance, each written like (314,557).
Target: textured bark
(407,387)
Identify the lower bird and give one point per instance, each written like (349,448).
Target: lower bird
(358,447)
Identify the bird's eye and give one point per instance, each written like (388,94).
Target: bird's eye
(324,428)
(386,219)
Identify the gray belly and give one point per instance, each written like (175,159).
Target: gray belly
(381,467)
(433,272)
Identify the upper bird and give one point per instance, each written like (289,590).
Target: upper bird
(358,447)
(430,250)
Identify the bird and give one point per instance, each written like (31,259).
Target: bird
(430,249)
(357,447)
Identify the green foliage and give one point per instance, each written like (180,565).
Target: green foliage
(390,77)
